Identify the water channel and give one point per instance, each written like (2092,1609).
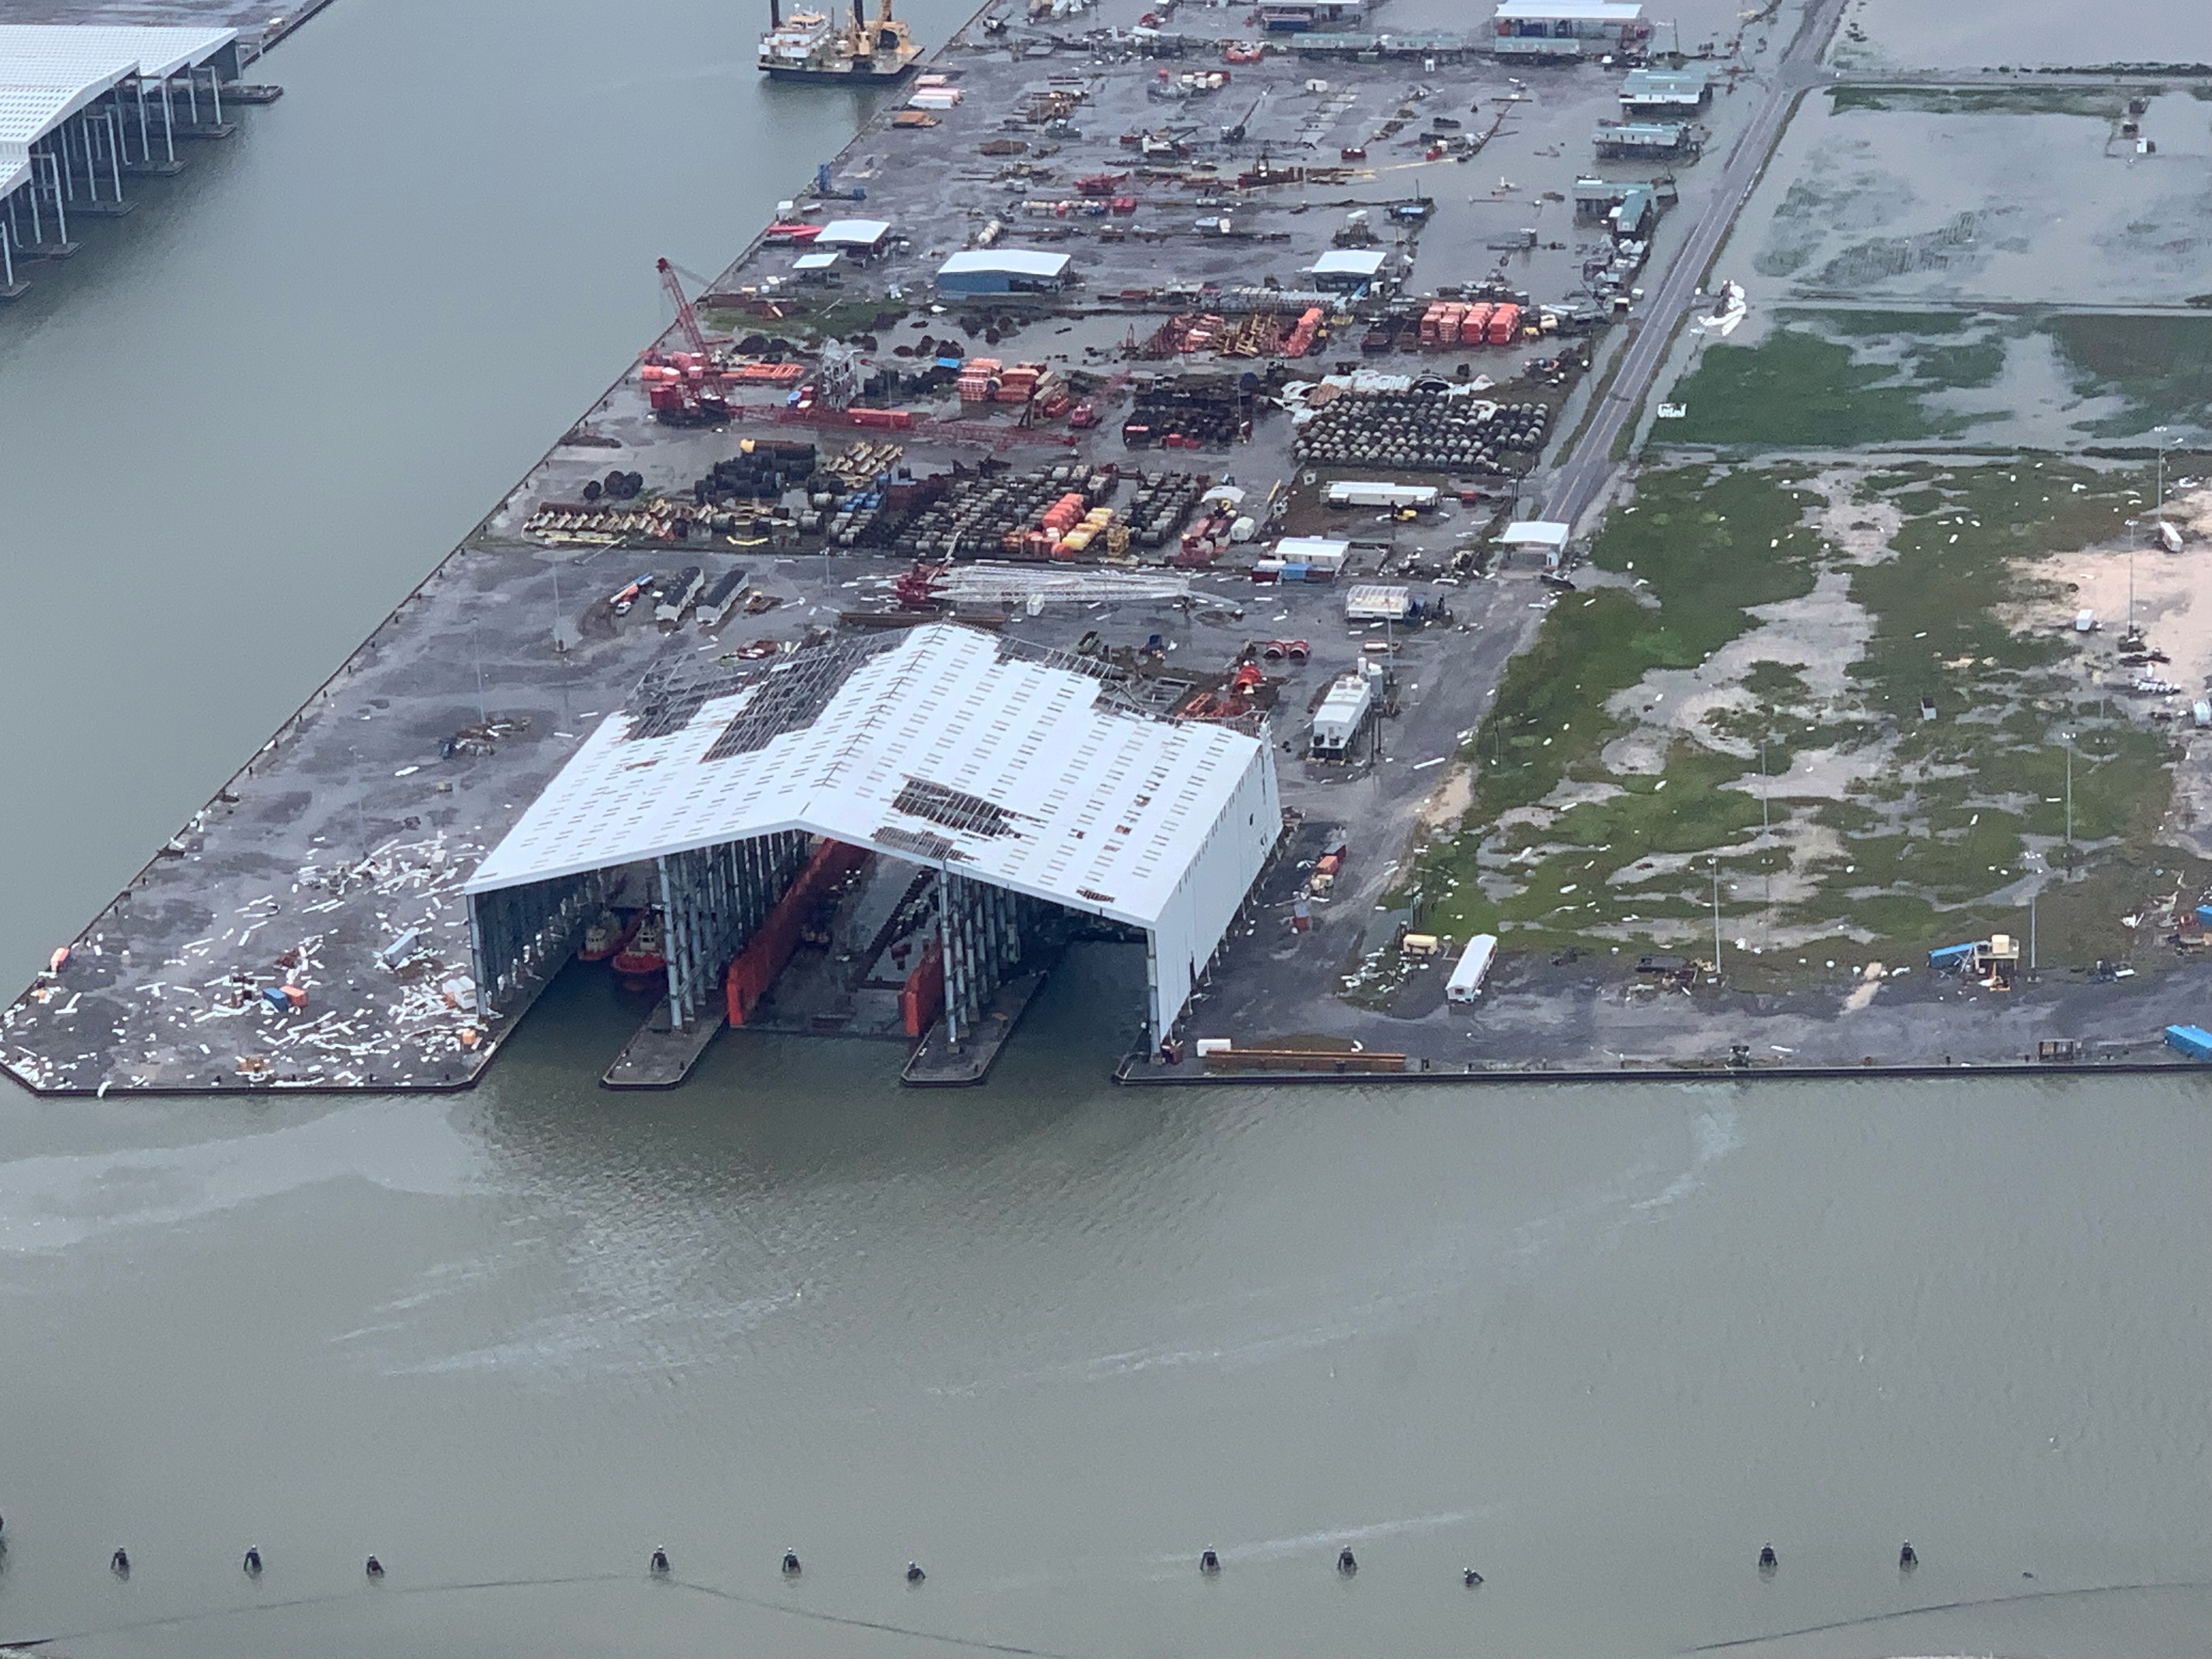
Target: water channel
(1049,1338)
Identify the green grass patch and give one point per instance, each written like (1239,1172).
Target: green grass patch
(2161,365)
(2099,101)
(1707,547)
(1795,388)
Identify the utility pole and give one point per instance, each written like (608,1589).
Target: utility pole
(1766,848)
(2132,538)
(2068,737)
(2159,433)
(476,650)
(2031,931)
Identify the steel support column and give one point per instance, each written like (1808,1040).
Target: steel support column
(145,139)
(712,899)
(168,124)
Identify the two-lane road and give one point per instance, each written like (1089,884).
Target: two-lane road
(1579,478)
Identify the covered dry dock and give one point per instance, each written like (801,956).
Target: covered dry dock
(1027,779)
(83,109)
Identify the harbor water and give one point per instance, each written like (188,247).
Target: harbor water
(1049,1338)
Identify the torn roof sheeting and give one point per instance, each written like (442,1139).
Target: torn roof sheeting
(1016,765)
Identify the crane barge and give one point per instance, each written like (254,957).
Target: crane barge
(810,47)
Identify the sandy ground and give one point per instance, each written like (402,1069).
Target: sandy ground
(2170,589)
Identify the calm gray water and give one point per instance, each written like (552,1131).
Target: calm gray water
(1049,1336)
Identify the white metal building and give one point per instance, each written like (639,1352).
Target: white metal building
(1560,28)
(83,108)
(1003,270)
(1019,772)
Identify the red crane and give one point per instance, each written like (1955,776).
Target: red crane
(687,388)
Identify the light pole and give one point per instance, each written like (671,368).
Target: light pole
(2159,433)
(1766,846)
(2134,526)
(2069,738)
(1716,917)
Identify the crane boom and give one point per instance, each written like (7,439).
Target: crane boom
(687,319)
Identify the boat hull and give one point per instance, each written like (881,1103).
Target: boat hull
(841,77)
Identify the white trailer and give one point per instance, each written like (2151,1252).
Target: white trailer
(1357,492)
(1472,967)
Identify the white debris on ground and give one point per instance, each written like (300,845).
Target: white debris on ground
(277,1014)
(1728,316)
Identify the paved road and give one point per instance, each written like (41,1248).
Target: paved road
(1580,477)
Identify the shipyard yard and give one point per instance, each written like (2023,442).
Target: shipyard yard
(1295,395)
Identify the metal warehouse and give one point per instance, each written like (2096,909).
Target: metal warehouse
(1560,28)
(1003,270)
(1661,92)
(1030,783)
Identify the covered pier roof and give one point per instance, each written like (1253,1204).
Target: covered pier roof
(945,744)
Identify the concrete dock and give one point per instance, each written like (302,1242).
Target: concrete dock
(331,863)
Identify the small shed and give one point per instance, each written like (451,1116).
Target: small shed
(1377,602)
(1546,536)
(863,239)
(1665,92)
(1315,552)
(1347,268)
(816,267)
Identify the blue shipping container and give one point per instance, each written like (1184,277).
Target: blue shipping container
(2192,1040)
(2204,915)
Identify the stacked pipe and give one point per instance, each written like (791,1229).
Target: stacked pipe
(1304,336)
(762,467)
(981,516)
(1424,431)
(1185,414)
(1163,502)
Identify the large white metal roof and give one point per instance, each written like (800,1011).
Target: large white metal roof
(1570,11)
(49,71)
(853,232)
(29,110)
(1348,262)
(1016,261)
(154,52)
(944,745)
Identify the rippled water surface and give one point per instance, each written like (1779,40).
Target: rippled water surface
(1052,1338)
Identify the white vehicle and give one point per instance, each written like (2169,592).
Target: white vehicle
(1472,967)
